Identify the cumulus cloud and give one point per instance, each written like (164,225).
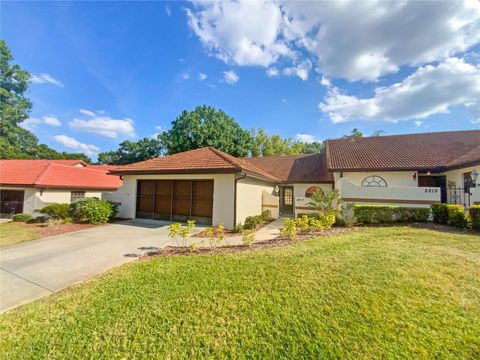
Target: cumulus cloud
(429,90)
(44,78)
(301,70)
(76,145)
(418,123)
(202,76)
(33,122)
(272,72)
(230,77)
(306,138)
(101,124)
(347,39)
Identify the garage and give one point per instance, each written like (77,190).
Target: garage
(175,200)
(11,201)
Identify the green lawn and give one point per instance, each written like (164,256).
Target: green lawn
(377,293)
(15,233)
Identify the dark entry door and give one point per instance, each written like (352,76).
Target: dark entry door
(11,201)
(435,181)
(176,200)
(286,200)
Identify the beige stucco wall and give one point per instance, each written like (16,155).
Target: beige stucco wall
(36,199)
(457,176)
(393,178)
(249,196)
(299,189)
(301,202)
(223,193)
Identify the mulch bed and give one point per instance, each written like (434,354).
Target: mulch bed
(228,233)
(260,245)
(57,229)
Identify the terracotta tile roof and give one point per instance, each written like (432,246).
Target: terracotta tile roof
(56,174)
(428,151)
(296,168)
(203,160)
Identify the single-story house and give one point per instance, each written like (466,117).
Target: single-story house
(26,186)
(213,187)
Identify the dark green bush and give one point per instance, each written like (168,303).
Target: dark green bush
(475,216)
(440,213)
(457,216)
(251,222)
(38,220)
(57,211)
(22,217)
(382,214)
(266,215)
(92,210)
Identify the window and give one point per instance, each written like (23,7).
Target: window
(374,181)
(76,195)
(311,190)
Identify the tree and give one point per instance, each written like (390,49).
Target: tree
(313,147)
(130,152)
(16,142)
(275,145)
(354,134)
(206,126)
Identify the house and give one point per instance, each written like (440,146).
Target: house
(213,187)
(26,186)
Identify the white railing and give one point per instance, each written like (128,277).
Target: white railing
(392,195)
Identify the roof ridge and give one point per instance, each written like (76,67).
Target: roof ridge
(222,155)
(42,174)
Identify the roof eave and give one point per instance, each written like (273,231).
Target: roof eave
(126,172)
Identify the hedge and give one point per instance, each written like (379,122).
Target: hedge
(22,217)
(57,211)
(93,210)
(475,216)
(440,213)
(382,214)
(457,216)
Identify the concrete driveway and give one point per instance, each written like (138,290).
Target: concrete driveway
(37,268)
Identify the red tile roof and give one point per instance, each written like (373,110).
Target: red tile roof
(437,151)
(296,168)
(203,160)
(56,174)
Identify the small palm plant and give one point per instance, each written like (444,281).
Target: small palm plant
(327,203)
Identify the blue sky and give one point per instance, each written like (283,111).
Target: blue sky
(109,71)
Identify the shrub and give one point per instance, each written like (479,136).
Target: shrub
(382,214)
(408,214)
(440,213)
(57,211)
(289,229)
(475,216)
(92,210)
(457,216)
(303,223)
(251,222)
(346,217)
(22,217)
(39,220)
(248,237)
(215,235)
(266,215)
(330,202)
(238,228)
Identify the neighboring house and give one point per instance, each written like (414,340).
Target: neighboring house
(212,187)
(26,186)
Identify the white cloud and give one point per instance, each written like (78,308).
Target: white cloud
(429,90)
(159,130)
(185,76)
(272,72)
(306,138)
(230,77)
(72,143)
(44,78)
(168,11)
(355,40)
(202,76)
(104,125)
(33,122)
(240,32)
(301,70)
(418,123)
(87,112)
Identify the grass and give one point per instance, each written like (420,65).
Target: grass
(379,293)
(14,233)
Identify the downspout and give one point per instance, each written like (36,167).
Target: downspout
(235,200)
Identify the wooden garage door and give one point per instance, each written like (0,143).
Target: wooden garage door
(176,200)
(11,201)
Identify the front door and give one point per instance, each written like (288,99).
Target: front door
(286,200)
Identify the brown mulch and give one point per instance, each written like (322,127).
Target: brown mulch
(260,245)
(57,229)
(228,233)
